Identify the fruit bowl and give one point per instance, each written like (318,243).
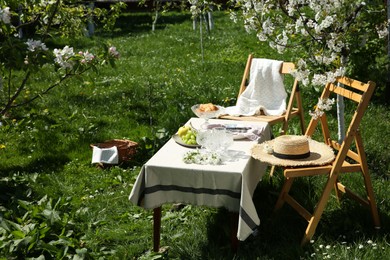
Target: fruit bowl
(206,114)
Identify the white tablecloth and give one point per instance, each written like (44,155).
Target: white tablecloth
(165,178)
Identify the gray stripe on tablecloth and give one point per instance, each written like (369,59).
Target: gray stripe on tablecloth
(247,219)
(157,188)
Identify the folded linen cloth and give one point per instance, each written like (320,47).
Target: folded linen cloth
(256,134)
(265,91)
(105,155)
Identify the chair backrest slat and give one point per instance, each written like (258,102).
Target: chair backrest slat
(287,67)
(345,92)
(353,83)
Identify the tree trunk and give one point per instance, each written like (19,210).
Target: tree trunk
(340,108)
(388,41)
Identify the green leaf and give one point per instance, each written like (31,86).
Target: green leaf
(18,234)
(51,215)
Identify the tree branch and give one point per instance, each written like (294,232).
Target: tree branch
(8,106)
(64,77)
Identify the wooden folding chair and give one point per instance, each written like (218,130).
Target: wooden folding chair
(348,158)
(291,110)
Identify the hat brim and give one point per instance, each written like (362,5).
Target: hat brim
(320,154)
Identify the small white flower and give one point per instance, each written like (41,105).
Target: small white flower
(35,45)
(63,56)
(233,17)
(199,157)
(322,105)
(113,52)
(87,57)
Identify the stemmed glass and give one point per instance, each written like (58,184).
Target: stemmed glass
(227,141)
(202,137)
(206,115)
(208,140)
(224,139)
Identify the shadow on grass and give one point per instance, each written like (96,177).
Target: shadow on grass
(46,163)
(15,186)
(141,22)
(280,233)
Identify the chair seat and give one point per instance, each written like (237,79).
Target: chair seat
(263,118)
(321,170)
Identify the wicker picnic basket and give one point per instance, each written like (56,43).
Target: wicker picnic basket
(126,148)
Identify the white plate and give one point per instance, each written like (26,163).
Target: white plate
(238,136)
(178,140)
(238,131)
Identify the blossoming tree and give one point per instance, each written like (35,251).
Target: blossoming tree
(327,32)
(25,27)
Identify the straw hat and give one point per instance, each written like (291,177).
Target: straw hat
(293,150)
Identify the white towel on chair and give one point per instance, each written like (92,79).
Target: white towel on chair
(265,91)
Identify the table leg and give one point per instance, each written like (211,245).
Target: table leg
(156,228)
(234,229)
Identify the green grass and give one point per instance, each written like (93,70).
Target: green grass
(146,98)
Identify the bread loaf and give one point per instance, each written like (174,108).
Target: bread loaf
(207,107)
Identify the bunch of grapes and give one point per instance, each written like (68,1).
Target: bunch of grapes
(187,134)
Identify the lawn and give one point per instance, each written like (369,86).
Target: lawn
(53,202)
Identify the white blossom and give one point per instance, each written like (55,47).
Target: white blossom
(319,26)
(87,57)
(233,16)
(268,27)
(383,29)
(45,3)
(322,106)
(113,52)
(5,15)
(201,157)
(63,56)
(195,11)
(35,45)
(327,22)
(319,80)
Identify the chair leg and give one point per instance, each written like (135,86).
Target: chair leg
(367,180)
(271,172)
(337,191)
(371,201)
(315,219)
(285,189)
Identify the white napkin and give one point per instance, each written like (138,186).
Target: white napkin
(265,91)
(256,134)
(105,155)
